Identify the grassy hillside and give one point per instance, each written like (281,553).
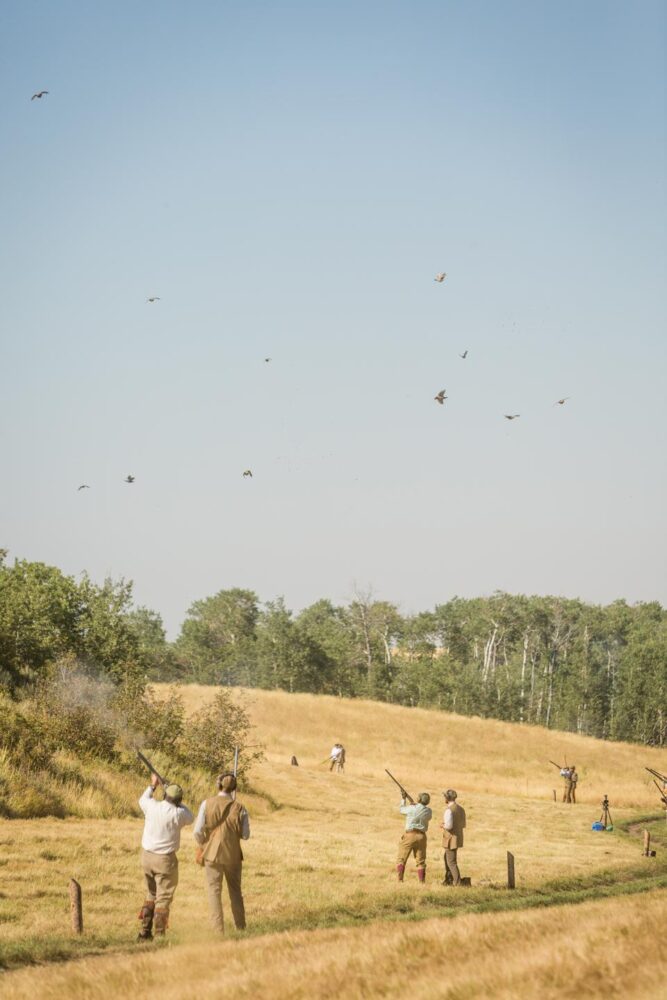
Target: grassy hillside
(323,845)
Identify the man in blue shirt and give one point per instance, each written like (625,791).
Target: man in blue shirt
(413,841)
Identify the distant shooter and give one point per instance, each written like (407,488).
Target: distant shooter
(453,825)
(413,841)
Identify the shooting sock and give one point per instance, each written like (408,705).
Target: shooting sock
(161,921)
(400,870)
(421,874)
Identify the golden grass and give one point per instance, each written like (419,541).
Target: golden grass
(326,855)
(609,949)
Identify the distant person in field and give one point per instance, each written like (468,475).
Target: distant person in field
(413,841)
(453,825)
(572,784)
(160,842)
(565,775)
(222,823)
(337,757)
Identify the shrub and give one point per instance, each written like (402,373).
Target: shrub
(212,733)
(143,719)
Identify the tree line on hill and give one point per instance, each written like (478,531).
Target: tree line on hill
(551,661)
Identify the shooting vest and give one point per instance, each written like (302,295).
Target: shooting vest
(223,839)
(452,839)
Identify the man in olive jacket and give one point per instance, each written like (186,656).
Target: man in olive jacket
(222,823)
(453,825)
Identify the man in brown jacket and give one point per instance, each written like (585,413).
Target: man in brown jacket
(222,823)
(453,825)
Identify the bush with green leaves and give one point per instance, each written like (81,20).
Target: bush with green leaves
(212,733)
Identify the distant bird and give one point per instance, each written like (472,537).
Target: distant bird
(440,277)
(84,486)
(248,472)
(39,95)
(511,416)
(129,479)
(153,298)
(464,355)
(267,359)
(559,402)
(441,397)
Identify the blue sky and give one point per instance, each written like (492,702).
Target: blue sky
(288,178)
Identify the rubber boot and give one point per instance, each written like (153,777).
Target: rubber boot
(421,875)
(400,870)
(161,921)
(146,917)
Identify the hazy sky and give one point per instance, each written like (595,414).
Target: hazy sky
(288,178)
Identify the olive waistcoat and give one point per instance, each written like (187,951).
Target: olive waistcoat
(452,839)
(223,839)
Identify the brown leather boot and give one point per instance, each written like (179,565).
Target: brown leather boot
(400,870)
(161,921)
(146,917)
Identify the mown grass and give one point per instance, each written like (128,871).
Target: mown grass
(322,849)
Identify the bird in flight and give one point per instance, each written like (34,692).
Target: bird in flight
(441,397)
(248,472)
(267,359)
(559,402)
(464,355)
(511,416)
(153,298)
(129,479)
(84,486)
(440,277)
(39,95)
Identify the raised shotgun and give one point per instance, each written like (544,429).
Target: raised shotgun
(403,791)
(145,760)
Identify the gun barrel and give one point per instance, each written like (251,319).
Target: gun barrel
(145,760)
(663,777)
(403,791)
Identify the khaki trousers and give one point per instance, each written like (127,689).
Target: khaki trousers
(214,875)
(161,878)
(412,840)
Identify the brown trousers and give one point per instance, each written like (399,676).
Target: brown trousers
(161,878)
(452,873)
(412,840)
(214,876)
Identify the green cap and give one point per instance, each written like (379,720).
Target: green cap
(174,792)
(424,798)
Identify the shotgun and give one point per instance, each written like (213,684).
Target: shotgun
(145,760)
(404,794)
(663,777)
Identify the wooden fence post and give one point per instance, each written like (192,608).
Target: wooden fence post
(647,844)
(76,906)
(510,871)
(554,791)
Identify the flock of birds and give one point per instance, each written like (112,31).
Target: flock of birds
(440,397)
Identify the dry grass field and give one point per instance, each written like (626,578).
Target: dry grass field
(324,909)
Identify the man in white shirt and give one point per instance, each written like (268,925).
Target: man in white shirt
(160,841)
(337,757)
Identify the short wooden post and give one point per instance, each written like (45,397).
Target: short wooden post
(295,762)
(76,906)
(647,844)
(554,791)
(510,871)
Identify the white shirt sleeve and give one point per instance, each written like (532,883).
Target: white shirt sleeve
(199,825)
(449,820)
(145,799)
(185,817)
(245,825)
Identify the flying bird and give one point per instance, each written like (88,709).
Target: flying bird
(267,359)
(248,472)
(39,95)
(129,479)
(441,397)
(511,416)
(84,486)
(559,402)
(464,355)
(153,298)
(440,277)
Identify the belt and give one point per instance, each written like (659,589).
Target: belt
(414,829)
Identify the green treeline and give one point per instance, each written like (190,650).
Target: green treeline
(561,663)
